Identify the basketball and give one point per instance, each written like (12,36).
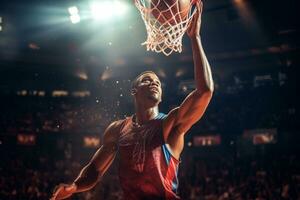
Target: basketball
(172,11)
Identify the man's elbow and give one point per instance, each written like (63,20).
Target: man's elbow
(206,92)
(209,90)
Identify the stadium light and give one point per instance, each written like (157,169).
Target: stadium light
(102,10)
(74,14)
(75,19)
(73,10)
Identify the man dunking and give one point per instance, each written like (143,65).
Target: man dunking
(149,143)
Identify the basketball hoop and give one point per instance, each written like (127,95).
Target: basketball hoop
(164,32)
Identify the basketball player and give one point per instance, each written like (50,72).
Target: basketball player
(149,143)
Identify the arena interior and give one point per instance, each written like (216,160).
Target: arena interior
(64,79)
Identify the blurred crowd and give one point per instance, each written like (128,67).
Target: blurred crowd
(216,176)
(263,107)
(223,177)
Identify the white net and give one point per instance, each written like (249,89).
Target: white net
(164,35)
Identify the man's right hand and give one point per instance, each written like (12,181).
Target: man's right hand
(63,191)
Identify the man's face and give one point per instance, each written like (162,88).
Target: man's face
(148,87)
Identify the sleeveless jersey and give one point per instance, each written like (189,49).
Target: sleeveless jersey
(147,170)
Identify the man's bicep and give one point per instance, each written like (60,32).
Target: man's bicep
(188,113)
(192,109)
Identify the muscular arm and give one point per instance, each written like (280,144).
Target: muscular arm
(195,104)
(180,119)
(100,162)
(95,169)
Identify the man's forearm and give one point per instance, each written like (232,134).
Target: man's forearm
(202,71)
(87,178)
(96,168)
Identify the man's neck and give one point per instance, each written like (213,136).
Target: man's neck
(145,115)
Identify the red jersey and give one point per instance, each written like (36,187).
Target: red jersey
(147,170)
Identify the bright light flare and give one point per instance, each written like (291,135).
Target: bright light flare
(75,19)
(120,8)
(73,10)
(74,14)
(106,10)
(102,11)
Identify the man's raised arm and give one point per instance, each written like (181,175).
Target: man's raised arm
(95,169)
(180,119)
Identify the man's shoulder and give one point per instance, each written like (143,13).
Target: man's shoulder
(116,124)
(112,132)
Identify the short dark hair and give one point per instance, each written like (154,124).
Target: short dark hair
(134,82)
